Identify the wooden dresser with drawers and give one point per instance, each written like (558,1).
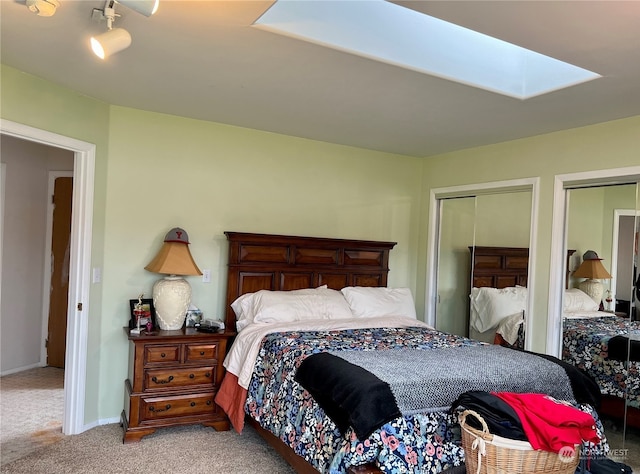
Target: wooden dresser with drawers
(173,380)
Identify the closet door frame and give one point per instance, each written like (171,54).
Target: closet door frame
(436,196)
(562,184)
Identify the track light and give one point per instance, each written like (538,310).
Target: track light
(115,39)
(110,42)
(145,7)
(43,7)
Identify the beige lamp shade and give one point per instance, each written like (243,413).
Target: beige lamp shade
(174,259)
(593,270)
(172,294)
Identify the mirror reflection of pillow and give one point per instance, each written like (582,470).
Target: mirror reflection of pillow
(375,302)
(489,306)
(577,300)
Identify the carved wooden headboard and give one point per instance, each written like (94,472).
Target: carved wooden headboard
(501,267)
(281,262)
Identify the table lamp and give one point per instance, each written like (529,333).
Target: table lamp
(172,294)
(592,270)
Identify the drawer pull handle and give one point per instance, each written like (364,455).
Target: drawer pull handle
(201,353)
(191,376)
(193,404)
(163,355)
(166,408)
(155,379)
(208,374)
(209,402)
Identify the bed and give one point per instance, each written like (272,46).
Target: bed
(263,385)
(498,272)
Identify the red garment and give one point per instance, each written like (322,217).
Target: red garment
(551,424)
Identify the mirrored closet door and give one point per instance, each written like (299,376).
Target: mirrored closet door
(600,315)
(482,251)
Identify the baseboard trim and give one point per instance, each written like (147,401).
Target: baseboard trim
(21,369)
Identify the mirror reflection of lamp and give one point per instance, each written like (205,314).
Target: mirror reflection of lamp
(172,294)
(592,269)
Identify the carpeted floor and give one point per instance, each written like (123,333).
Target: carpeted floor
(32,404)
(32,441)
(188,449)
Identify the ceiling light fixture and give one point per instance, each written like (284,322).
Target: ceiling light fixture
(115,40)
(43,7)
(145,7)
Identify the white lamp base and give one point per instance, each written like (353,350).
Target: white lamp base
(171,298)
(593,288)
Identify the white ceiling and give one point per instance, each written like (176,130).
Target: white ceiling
(203,59)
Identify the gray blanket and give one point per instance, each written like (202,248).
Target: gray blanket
(431,380)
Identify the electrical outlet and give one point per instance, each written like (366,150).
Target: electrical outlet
(206,276)
(97,275)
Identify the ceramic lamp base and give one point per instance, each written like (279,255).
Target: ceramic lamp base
(171,298)
(593,288)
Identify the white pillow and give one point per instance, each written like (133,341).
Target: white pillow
(367,302)
(490,305)
(578,300)
(243,305)
(266,306)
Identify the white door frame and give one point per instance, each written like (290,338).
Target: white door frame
(438,194)
(562,184)
(79,268)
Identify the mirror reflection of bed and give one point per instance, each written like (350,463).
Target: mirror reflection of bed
(593,221)
(594,340)
(501,217)
(498,297)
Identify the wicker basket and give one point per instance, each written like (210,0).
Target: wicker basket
(508,456)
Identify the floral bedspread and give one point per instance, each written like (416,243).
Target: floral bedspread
(585,345)
(423,443)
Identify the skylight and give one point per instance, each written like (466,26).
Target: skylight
(386,32)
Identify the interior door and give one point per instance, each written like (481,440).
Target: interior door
(60,248)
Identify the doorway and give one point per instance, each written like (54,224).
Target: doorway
(79,265)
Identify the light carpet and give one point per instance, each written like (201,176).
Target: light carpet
(32,408)
(187,449)
(32,439)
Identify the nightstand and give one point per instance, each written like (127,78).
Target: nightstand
(173,380)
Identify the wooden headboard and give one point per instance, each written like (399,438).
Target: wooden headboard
(281,262)
(499,267)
